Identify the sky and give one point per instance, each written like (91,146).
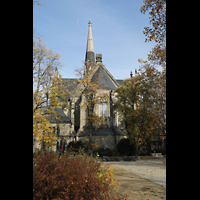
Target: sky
(117,30)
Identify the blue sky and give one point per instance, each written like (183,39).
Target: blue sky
(117,29)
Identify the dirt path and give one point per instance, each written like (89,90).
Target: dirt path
(136,187)
(151,169)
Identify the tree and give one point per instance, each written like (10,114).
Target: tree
(137,101)
(127,102)
(156,57)
(48,91)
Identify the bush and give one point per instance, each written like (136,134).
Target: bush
(73,178)
(125,147)
(76,145)
(105,152)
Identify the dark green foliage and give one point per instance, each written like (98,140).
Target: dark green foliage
(105,152)
(125,147)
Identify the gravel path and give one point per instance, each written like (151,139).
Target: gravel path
(151,169)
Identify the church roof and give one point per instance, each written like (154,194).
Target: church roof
(58,117)
(69,84)
(100,75)
(104,80)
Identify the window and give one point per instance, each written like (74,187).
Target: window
(103,110)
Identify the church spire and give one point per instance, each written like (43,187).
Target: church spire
(90,47)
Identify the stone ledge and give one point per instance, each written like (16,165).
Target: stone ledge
(128,158)
(156,154)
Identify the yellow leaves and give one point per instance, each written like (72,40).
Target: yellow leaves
(142,8)
(48,87)
(157,18)
(141,61)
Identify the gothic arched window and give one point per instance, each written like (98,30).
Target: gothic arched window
(103,109)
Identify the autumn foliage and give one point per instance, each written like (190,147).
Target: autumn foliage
(73,178)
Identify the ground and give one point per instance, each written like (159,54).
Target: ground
(138,186)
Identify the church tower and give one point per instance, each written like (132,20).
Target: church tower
(89,57)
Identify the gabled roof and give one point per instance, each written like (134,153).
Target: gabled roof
(99,75)
(69,84)
(104,78)
(58,117)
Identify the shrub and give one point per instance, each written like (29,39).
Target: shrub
(76,145)
(125,147)
(73,178)
(105,152)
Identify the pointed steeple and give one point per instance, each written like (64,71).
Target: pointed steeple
(90,47)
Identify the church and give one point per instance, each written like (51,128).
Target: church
(73,121)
